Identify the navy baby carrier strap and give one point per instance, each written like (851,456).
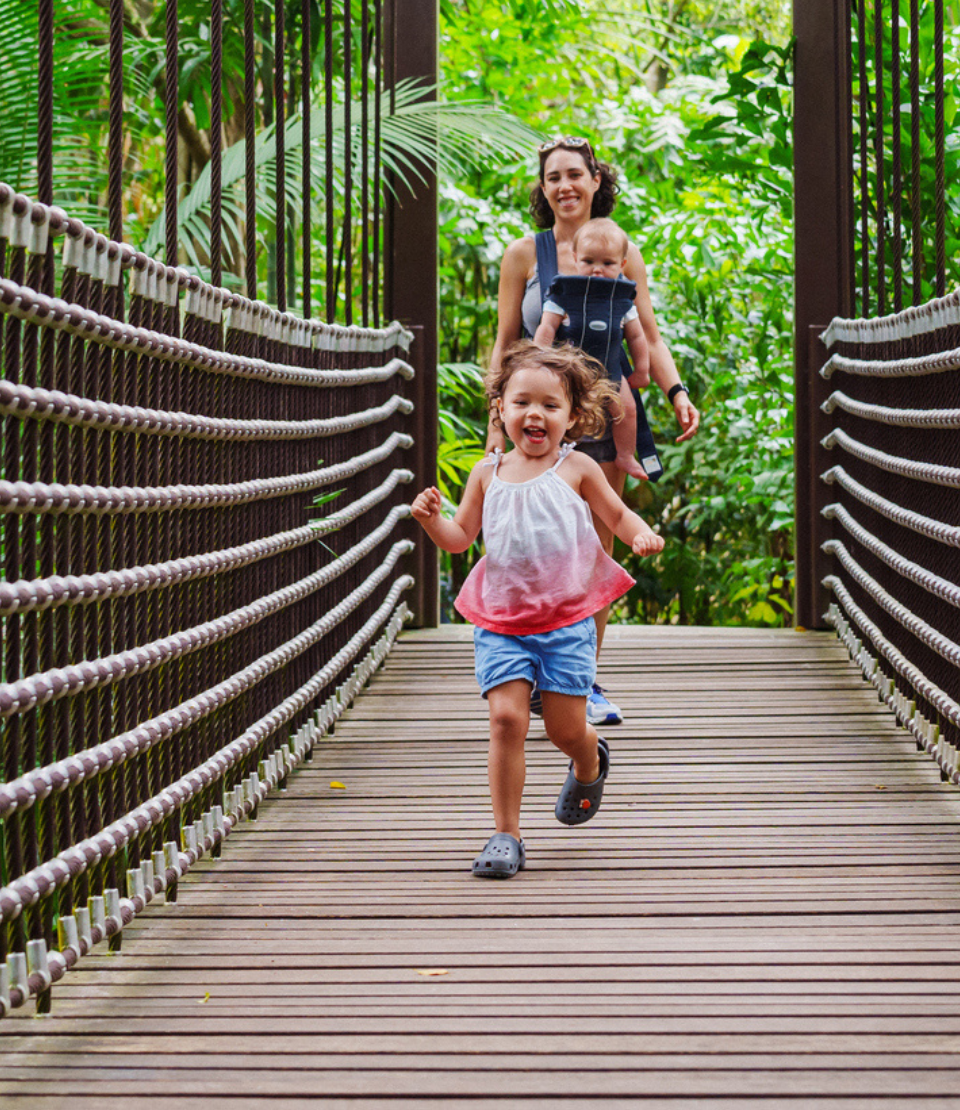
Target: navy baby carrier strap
(546,245)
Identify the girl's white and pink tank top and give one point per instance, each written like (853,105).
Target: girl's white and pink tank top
(544,567)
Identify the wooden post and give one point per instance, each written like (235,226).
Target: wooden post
(823,194)
(410,269)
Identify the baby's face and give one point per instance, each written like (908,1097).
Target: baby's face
(598,258)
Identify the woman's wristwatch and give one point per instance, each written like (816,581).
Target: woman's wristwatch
(675,389)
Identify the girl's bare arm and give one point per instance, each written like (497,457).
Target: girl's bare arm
(625,524)
(452,535)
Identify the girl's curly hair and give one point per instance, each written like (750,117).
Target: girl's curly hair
(604,199)
(591,393)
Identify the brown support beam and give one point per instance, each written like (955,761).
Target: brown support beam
(824,262)
(410,272)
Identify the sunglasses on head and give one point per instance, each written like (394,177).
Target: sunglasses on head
(571,142)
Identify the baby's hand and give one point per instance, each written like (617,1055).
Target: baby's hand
(426,506)
(647,543)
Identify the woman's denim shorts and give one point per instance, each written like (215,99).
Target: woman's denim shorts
(563,661)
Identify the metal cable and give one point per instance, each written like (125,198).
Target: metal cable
(216,141)
(940,235)
(172,154)
(916,192)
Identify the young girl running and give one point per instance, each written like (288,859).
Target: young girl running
(533,595)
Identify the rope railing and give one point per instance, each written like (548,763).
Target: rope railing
(204,545)
(895,517)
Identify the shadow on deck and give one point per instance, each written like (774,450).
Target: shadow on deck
(765,912)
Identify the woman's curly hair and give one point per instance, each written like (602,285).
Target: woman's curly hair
(604,199)
(591,393)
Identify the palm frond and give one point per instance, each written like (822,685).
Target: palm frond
(419,133)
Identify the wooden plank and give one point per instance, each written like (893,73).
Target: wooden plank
(765,909)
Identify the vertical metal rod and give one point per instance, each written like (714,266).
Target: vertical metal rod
(249,118)
(347,161)
(896,197)
(49,627)
(216,142)
(115,133)
(329,232)
(915,189)
(863,98)
(172,151)
(879,70)
(938,150)
(279,96)
(306,66)
(365,159)
(377,51)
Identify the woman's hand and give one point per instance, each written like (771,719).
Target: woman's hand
(687,416)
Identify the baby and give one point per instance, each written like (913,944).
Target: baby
(597,315)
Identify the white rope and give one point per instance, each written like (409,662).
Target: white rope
(924,632)
(942,702)
(919,320)
(884,414)
(934,529)
(908,468)
(925,579)
(894,368)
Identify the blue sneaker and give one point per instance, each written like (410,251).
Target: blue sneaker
(600,711)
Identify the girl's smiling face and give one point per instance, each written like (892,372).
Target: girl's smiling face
(568,185)
(535,410)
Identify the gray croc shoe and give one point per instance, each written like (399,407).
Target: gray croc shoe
(502,857)
(579,801)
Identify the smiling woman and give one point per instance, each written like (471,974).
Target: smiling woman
(574,186)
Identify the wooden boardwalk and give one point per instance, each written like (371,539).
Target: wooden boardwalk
(766,912)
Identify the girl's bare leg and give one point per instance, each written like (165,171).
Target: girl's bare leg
(616,479)
(565,719)
(506,766)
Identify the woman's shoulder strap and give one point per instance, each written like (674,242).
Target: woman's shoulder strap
(547,264)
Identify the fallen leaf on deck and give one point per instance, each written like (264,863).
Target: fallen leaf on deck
(206,998)
(337,785)
(432,971)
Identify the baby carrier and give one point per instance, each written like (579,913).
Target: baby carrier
(546,246)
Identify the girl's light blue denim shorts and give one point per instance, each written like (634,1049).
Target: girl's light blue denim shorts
(563,661)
